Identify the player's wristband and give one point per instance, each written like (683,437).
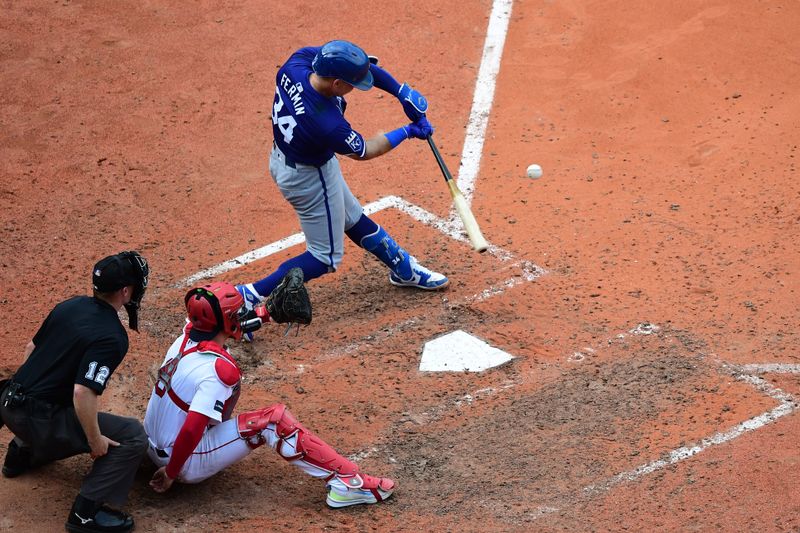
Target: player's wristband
(397,136)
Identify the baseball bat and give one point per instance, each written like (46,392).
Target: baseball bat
(463,210)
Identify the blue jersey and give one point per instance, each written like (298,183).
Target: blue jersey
(307,126)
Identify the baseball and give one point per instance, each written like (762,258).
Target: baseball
(534,171)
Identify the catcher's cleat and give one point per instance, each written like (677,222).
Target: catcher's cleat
(421,277)
(382,489)
(18,460)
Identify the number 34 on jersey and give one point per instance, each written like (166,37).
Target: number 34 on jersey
(286,122)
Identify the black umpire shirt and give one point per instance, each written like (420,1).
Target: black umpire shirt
(81,341)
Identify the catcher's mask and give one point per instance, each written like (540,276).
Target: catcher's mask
(213,308)
(121,270)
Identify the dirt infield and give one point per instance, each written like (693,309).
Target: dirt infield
(646,285)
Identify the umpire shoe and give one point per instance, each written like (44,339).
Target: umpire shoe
(87,517)
(384,487)
(18,460)
(421,278)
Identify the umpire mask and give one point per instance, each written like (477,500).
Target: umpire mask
(142,273)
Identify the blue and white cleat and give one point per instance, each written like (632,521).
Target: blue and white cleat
(251,300)
(250,295)
(421,278)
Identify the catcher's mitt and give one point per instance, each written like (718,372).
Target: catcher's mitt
(289,301)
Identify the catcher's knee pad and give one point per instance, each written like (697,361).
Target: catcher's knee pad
(296,443)
(252,423)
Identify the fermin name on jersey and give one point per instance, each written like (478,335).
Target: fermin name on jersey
(293,91)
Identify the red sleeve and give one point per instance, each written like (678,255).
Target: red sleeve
(188,439)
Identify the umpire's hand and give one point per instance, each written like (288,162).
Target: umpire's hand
(100,446)
(85,401)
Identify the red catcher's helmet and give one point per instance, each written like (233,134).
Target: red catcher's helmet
(213,308)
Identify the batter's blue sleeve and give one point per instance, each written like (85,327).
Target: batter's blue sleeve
(383,80)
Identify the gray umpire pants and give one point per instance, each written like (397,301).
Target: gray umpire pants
(52,432)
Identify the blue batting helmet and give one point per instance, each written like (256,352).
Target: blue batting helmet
(345,61)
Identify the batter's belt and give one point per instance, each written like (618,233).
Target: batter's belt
(289,162)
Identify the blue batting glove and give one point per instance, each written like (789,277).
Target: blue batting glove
(421,129)
(414,104)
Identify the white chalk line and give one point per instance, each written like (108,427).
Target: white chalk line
(298,238)
(528,272)
(389,202)
(359,456)
(787,404)
(769,368)
(468,170)
(483,98)
(485,392)
(244,259)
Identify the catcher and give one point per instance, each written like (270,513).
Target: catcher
(189,423)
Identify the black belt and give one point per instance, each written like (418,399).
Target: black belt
(159,452)
(289,162)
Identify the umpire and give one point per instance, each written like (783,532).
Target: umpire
(50,404)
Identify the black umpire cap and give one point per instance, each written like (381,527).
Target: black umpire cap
(120,270)
(116,271)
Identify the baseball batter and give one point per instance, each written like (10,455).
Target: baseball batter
(189,423)
(309,129)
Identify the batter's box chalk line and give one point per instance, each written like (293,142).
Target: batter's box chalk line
(482,101)
(528,271)
(748,373)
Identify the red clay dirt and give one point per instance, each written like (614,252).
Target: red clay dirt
(668,135)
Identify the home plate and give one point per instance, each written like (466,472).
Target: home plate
(460,352)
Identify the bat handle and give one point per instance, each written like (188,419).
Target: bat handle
(439,160)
